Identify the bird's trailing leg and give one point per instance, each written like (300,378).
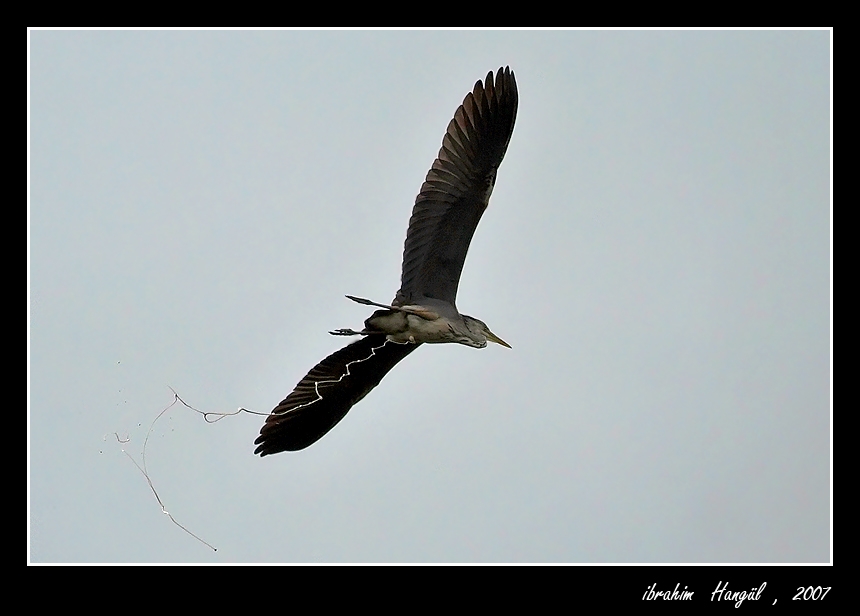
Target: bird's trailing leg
(367,302)
(352,332)
(416,310)
(393,320)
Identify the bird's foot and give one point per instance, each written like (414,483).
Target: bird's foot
(345,332)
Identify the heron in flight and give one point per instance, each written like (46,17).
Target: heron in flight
(446,212)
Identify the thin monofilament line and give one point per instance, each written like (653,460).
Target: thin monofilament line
(145,472)
(330,382)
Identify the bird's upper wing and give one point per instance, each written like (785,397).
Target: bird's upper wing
(327,392)
(457,190)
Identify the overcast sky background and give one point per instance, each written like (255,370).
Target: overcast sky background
(656,251)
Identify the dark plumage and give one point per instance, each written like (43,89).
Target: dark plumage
(446,212)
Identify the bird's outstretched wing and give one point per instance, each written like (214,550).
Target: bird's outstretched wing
(457,190)
(327,392)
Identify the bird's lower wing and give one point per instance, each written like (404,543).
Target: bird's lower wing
(327,392)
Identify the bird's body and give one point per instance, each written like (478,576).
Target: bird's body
(446,212)
(434,321)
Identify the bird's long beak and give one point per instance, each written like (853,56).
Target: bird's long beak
(494,338)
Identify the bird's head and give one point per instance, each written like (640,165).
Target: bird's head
(479,334)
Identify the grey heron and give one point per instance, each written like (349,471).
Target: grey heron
(446,212)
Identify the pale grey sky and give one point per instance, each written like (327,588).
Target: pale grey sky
(656,251)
